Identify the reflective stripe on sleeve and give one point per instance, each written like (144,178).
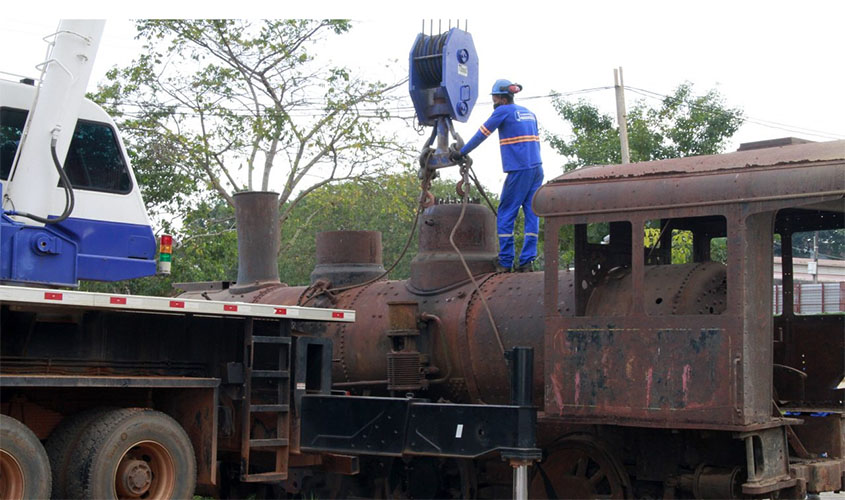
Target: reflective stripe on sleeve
(521,138)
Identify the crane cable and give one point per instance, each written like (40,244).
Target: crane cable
(466,166)
(321,287)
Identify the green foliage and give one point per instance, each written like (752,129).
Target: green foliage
(719,250)
(217,106)
(683,125)
(681,244)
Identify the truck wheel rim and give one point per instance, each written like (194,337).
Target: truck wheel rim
(11,477)
(146,470)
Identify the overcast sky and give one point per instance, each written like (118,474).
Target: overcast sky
(781,62)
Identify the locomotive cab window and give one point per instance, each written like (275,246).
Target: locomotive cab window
(809,246)
(685,272)
(600,256)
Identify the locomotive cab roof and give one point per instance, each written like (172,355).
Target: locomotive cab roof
(778,173)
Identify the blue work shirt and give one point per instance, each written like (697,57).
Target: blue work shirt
(519,139)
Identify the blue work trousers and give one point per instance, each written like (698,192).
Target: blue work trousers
(519,188)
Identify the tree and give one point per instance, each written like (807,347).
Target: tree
(219,106)
(683,125)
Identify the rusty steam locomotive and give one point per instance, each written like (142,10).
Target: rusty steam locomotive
(659,378)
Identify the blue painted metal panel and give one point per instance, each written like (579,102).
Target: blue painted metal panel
(443,67)
(75,249)
(114,239)
(42,256)
(100,268)
(111,251)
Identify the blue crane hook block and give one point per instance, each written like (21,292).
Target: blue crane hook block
(443,76)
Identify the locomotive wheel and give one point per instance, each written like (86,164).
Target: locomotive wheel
(579,467)
(133,453)
(24,467)
(61,446)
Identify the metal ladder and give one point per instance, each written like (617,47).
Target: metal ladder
(265,425)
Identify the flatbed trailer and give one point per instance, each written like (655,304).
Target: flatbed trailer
(219,374)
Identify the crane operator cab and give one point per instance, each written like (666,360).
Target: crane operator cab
(71,206)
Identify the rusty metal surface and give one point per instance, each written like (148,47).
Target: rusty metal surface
(478,370)
(436,266)
(196,412)
(257,214)
(40,420)
(684,289)
(347,257)
(604,366)
(814,345)
(515,301)
(655,351)
(786,173)
(766,157)
(823,433)
(819,474)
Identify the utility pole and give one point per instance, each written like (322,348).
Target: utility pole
(621,113)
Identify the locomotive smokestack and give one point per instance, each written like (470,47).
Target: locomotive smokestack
(257,217)
(348,257)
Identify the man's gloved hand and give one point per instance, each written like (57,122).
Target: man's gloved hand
(455,155)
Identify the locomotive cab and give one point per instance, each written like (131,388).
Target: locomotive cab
(669,323)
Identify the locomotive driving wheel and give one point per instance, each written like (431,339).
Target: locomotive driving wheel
(579,467)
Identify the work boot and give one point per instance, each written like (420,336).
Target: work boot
(525,268)
(499,268)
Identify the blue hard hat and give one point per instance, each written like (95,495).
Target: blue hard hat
(505,87)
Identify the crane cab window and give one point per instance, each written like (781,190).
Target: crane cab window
(685,272)
(11,127)
(94,160)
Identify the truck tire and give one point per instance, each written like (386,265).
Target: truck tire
(62,446)
(24,467)
(133,453)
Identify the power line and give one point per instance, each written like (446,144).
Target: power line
(757,121)
(400,112)
(306,110)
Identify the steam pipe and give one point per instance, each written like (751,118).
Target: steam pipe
(437,321)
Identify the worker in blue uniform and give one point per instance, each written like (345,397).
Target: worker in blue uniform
(519,141)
